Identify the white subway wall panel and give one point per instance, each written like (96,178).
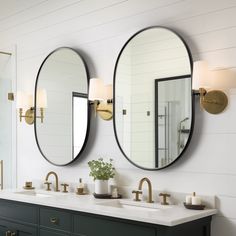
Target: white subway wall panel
(99,29)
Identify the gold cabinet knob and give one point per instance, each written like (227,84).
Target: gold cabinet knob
(53,220)
(8,233)
(136,196)
(48,184)
(165,196)
(65,187)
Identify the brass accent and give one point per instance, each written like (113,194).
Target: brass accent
(5,53)
(29,115)
(80,191)
(8,233)
(28,184)
(10,96)
(54,220)
(137,193)
(164,195)
(214,101)
(41,115)
(48,185)
(149,188)
(65,187)
(56,178)
(103,109)
(1,169)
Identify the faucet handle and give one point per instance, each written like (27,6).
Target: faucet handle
(48,185)
(65,187)
(164,195)
(137,193)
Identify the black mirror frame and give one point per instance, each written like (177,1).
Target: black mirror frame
(88,111)
(192,96)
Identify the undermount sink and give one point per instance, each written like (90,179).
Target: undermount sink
(34,193)
(131,205)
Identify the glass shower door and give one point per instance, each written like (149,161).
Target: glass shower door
(7,177)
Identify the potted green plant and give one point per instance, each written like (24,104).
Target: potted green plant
(101,172)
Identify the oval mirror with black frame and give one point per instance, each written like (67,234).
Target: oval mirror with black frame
(61,106)
(153,101)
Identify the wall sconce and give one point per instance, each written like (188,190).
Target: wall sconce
(25,103)
(208,85)
(101,96)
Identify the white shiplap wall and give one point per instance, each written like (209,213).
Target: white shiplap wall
(99,28)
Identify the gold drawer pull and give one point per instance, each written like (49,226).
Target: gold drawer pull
(8,233)
(54,220)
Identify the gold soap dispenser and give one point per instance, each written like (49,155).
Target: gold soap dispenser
(80,189)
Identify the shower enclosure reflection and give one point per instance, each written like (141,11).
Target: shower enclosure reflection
(172,117)
(8,120)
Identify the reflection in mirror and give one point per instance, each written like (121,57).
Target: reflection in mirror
(62,135)
(153,98)
(172,118)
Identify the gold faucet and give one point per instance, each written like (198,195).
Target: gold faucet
(56,177)
(149,200)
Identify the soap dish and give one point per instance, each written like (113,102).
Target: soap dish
(106,196)
(28,188)
(194,207)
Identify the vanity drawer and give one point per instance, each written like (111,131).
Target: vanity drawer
(18,211)
(55,219)
(86,225)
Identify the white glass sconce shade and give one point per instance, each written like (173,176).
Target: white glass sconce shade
(24,100)
(201,75)
(96,89)
(108,92)
(41,98)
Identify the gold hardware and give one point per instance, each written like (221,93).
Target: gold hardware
(214,101)
(28,184)
(54,220)
(48,185)
(137,193)
(80,191)
(164,195)
(29,115)
(5,53)
(149,188)
(103,109)
(56,178)
(10,96)
(65,187)
(8,233)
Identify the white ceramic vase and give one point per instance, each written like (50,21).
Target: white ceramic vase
(101,186)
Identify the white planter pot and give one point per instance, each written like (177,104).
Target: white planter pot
(101,186)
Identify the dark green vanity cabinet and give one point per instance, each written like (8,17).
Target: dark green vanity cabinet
(23,219)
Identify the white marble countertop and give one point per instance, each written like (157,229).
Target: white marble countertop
(162,215)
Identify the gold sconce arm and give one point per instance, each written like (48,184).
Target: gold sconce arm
(29,115)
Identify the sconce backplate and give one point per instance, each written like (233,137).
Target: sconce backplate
(215,101)
(29,116)
(104,110)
